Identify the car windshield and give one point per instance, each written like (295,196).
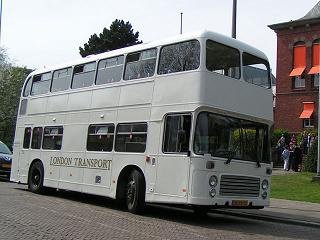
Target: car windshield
(4,149)
(228,137)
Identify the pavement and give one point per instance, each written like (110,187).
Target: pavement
(284,211)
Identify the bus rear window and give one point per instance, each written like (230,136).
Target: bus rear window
(179,57)
(223,59)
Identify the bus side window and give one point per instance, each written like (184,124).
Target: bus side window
(179,57)
(222,59)
(61,79)
(110,70)
(27,137)
(41,83)
(140,64)
(177,133)
(52,138)
(27,87)
(83,75)
(100,137)
(131,137)
(36,138)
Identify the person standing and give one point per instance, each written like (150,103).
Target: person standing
(285,157)
(297,159)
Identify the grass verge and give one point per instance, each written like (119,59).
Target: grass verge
(296,187)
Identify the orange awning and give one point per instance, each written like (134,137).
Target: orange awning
(314,70)
(297,71)
(308,108)
(299,61)
(315,59)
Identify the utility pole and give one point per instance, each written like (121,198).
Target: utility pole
(181,22)
(234,19)
(317,177)
(0,18)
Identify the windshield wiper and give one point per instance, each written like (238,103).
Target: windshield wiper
(230,156)
(258,163)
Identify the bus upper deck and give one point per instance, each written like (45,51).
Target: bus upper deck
(204,68)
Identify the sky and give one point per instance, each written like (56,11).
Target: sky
(37,33)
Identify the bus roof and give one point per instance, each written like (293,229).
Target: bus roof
(178,38)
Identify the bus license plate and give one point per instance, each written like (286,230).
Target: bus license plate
(239,203)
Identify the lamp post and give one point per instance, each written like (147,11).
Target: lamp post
(181,22)
(317,177)
(234,19)
(0,18)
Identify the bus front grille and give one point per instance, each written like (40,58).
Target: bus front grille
(232,185)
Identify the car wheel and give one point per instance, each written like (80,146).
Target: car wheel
(35,178)
(135,192)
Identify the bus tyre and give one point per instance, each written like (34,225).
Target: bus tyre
(135,192)
(35,178)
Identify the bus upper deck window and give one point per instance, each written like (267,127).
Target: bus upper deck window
(184,56)
(223,59)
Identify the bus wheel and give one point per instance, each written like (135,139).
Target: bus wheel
(135,192)
(35,178)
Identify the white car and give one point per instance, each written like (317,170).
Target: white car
(5,160)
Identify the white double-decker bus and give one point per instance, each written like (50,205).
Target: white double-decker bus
(184,121)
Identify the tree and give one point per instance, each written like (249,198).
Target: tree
(119,35)
(11,81)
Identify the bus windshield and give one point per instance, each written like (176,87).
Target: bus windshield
(221,136)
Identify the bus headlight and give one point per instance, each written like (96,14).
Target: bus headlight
(264,195)
(213,181)
(265,185)
(212,192)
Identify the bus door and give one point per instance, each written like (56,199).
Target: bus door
(173,164)
(24,152)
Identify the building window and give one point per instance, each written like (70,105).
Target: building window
(316,80)
(315,69)
(299,82)
(308,123)
(52,138)
(27,137)
(177,133)
(299,59)
(131,137)
(100,137)
(36,138)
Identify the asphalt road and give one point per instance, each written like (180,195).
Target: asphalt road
(69,215)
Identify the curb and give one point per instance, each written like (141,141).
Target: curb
(268,218)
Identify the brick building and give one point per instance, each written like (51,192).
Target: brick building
(298,68)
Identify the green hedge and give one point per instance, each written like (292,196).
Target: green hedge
(310,164)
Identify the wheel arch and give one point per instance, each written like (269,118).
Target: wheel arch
(122,180)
